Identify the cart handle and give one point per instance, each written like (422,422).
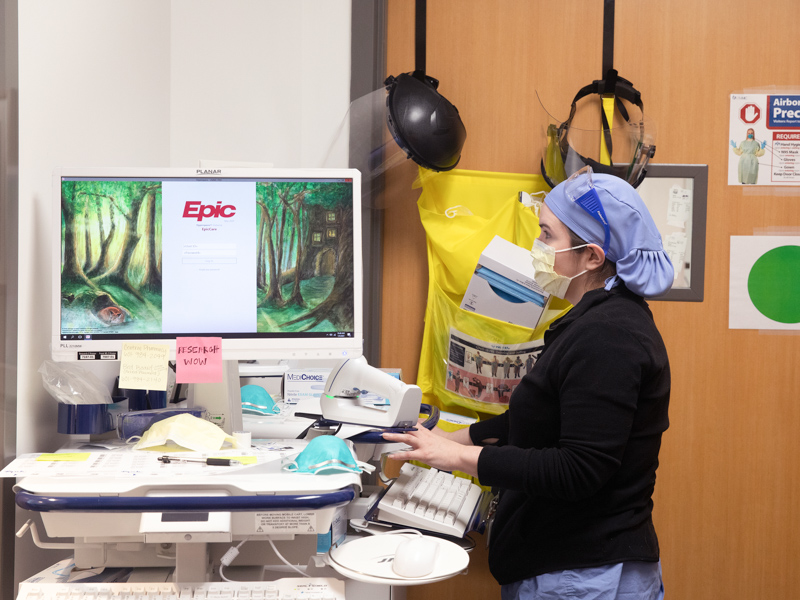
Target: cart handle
(41,503)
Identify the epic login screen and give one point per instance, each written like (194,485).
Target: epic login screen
(209,256)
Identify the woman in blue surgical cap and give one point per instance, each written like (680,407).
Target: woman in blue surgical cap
(574,458)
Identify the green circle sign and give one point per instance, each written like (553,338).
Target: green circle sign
(774,284)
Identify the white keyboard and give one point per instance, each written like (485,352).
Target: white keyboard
(288,588)
(430,500)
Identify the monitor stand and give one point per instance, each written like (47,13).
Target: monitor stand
(222,401)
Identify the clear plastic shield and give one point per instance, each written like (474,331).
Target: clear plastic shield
(363,142)
(623,148)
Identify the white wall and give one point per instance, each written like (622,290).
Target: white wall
(94,83)
(264,81)
(157,83)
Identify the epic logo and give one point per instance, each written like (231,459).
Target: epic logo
(200,211)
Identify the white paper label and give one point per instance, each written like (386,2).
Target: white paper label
(286,522)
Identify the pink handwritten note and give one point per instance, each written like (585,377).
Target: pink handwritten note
(198,360)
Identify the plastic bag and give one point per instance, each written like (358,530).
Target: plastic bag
(70,384)
(461,212)
(135,423)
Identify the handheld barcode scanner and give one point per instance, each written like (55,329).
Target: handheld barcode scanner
(353,377)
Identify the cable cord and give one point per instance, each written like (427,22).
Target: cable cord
(362,526)
(222,576)
(286,562)
(233,552)
(228,558)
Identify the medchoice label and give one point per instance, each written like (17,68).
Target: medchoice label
(764,140)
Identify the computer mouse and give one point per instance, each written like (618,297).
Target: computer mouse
(415,557)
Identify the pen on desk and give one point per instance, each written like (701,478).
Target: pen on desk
(214,462)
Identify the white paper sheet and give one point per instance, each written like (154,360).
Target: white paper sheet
(127,463)
(679,209)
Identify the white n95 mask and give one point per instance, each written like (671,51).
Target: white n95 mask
(544,259)
(186,431)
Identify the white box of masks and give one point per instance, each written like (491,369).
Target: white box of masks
(304,383)
(503,287)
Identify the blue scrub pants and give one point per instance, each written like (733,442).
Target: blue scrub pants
(633,580)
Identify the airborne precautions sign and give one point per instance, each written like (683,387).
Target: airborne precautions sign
(764,139)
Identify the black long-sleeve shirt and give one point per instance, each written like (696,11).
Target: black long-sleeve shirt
(578,451)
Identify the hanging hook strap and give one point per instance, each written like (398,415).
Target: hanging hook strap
(608,36)
(420,33)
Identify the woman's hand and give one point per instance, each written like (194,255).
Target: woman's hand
(436,451)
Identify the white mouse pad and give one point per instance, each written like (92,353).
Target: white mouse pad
(369,560)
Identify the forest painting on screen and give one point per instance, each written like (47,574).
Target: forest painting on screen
(111,279)
(305,256)
(111,256)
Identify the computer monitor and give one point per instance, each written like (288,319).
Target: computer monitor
(268,260)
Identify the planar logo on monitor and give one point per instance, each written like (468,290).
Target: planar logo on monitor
(200,211)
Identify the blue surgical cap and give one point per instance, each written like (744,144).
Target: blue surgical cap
(635,244)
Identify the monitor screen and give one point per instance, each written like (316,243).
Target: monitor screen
(269,260)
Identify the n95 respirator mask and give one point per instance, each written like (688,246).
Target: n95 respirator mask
(327,454)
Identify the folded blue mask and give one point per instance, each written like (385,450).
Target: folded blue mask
(257,401)
(326,454)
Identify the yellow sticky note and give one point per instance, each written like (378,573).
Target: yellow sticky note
(64,456)
(143,366)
